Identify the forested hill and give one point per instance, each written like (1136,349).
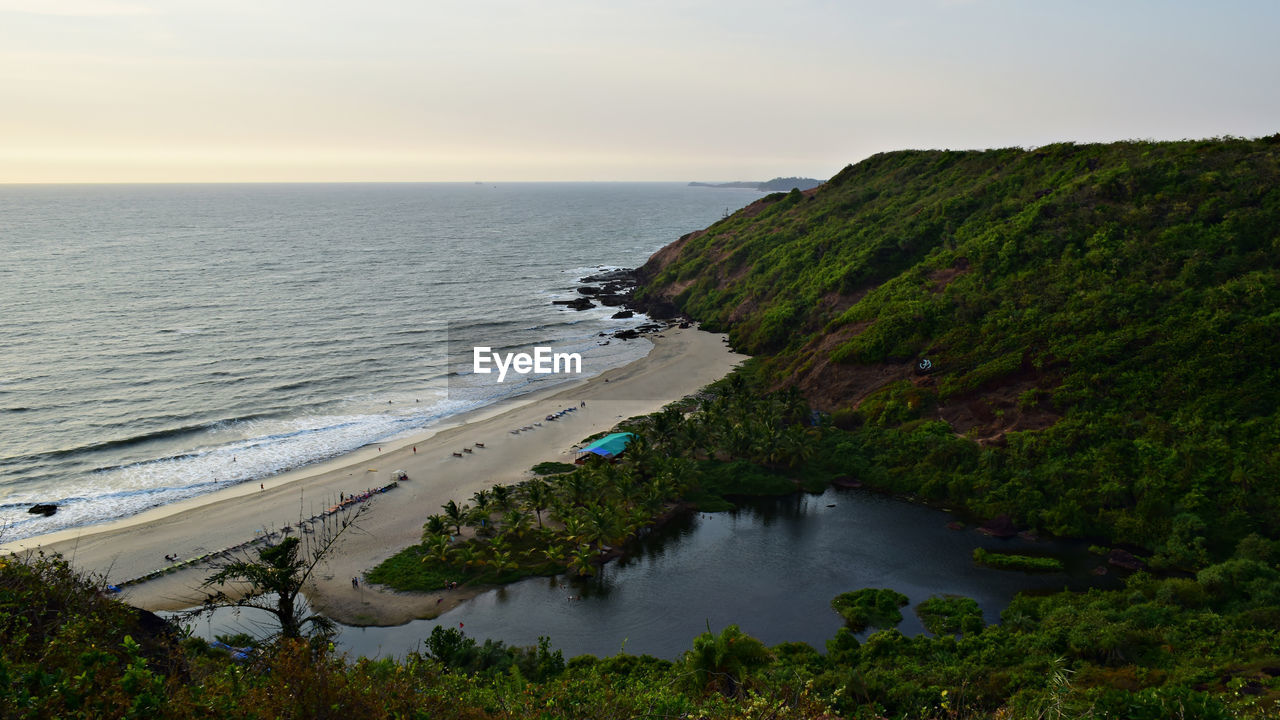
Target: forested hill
(1102,322)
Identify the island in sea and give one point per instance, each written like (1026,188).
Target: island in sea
(1073,341)
(778,184)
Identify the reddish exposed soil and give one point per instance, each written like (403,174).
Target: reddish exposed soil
(995,409)
(986,414)
(828,385)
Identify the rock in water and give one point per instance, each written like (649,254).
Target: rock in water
(1000,526)
(581,303)
(1126,560)
(622,275)
(45,509)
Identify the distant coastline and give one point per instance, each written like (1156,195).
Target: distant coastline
(779,184)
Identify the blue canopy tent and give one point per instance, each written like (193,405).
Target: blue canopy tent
(609,446)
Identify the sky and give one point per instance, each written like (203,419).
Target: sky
(604,90)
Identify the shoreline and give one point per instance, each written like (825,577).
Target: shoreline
(370,453)
(680,363)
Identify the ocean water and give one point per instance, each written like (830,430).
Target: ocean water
(161,341)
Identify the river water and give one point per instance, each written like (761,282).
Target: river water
(771,567)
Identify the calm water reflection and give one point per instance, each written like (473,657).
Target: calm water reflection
(772,568)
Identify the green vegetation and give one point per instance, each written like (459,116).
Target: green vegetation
(724,662)
(552,468)
(870,607)
(1101,322)
(1199,647)
(951,614)
(779,183)
(1011,561)
(734,441)
(271,578)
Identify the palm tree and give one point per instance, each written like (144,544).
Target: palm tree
(276,575)
(438,548)
(639,455)
(435,525)
(456,515)
(794,406)
(502,497)
(515,521)
(603,527)
(483,500)
(554,554)
(468,555)
(636,520)
(622,480)
(722,662)
(479,518)
(537,495)
(581,563)
(575,527)
(500,543)
(579,486)
(501,561)
(799,445)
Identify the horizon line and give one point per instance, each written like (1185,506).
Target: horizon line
(361,182)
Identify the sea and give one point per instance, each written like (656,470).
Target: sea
(158,342)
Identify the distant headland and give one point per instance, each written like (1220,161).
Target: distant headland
(779,184)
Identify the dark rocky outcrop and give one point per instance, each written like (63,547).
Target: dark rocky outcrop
(45,509)
(658,308)
(1126,560)
(581,303)
(622,315)
(625,275)
(1000,526)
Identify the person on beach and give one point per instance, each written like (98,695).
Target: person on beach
(355,583)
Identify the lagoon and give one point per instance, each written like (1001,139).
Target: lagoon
(772,567)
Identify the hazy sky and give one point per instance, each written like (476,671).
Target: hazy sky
(267,90)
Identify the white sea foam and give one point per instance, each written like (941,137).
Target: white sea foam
(185,318)
(231,453)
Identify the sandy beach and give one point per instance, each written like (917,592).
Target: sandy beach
(681,362)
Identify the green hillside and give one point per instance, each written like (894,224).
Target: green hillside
(1101,320)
